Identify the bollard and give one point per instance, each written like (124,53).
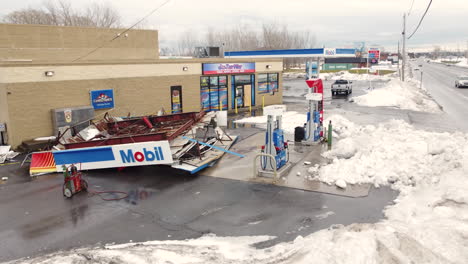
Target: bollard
(329,138)
(235,103)
(220,105)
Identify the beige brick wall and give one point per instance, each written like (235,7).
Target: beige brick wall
(30,104)
(54,43)
(139,88)
(4,114)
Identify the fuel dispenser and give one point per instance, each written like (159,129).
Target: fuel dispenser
(274,156)
(314,125)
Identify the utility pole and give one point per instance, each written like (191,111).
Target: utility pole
(398,59)
(403,57)
(420,84)
(466,52)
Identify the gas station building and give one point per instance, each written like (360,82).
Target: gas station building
(45,68)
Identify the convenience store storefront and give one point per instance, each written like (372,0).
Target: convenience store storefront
(230,85)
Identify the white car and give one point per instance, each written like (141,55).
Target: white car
(462,81)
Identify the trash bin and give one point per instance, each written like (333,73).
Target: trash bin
(299,134)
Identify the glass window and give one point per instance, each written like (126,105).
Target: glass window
(222,81)
(263,83)
(213,81)
(273,79)
(213,91)
(263,77)
(242,79)
(204,81)
(268,82)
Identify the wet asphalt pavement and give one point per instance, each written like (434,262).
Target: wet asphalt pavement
(166,204)
(439,80)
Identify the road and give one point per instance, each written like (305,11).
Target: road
(164,204)
(439,80)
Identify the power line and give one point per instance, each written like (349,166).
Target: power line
(422,18)
(411,8)
(123,32)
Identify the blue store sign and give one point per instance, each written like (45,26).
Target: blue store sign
(102,99)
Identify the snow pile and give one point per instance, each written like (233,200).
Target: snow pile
(391,152)
(463,63)
(294,75)
(361,77)
(299,75)
(427,224)
(290,120)
(400,95)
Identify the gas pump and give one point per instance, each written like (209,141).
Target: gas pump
(275,154)
(314,126)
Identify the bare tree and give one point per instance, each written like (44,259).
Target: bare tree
(61,13)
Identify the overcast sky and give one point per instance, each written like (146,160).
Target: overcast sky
(336,23)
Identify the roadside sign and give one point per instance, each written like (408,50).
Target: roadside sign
(374,53)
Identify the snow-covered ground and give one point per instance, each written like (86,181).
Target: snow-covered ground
(427,224)
(404,95)
(463,63)
(362,77)
(292,75)
(290,120)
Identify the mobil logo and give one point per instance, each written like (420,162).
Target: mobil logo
(150,154)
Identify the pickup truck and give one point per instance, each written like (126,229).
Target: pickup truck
(342,86)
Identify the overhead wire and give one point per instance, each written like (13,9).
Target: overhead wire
(421,20)
(411,7)
(123,32)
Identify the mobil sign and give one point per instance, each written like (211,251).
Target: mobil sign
(124,155)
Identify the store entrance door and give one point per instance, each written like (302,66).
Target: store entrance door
(244,95)
(240,95)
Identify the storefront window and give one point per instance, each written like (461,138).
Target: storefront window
(213,91)
(242,79)
(268,82)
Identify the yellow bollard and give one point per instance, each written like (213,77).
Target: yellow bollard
(235,103)
(250,108)
(220,105)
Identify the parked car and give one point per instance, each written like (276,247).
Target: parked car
(342,86)
(462,81)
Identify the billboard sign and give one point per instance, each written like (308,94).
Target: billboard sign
(228,68)
(102,99)
(374,53)
(124,155)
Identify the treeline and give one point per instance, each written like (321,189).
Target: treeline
(244,37)
(61,13)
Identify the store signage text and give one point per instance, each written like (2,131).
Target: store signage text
(228,68)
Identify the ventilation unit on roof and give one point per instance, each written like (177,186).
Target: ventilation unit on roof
(207,52)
